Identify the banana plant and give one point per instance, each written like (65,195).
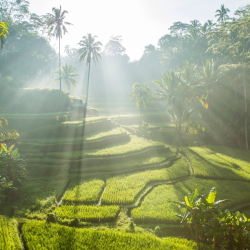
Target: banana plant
(199,211)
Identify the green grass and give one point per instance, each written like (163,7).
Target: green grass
(40,188)
(48,167)
(215,163)
(124,189)
(156,125)
(90,137)
(88,191)
(9,238)
(135,145)
(88,213)
(39,235)
(60,130)
(158,205)
(86,120)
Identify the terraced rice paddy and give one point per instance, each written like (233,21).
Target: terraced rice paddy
(208,163)
(136,144)
(158,206)
(88,191)
(9,238)
(121,174)
(39,235)
(88,213)
(124,189)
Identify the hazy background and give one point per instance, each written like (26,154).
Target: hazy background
(140,22)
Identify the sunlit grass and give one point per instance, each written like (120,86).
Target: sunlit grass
(135,145)
(54,236)
(124,189)
(158,206)
(9,236)
(88,213)
(87,191)
(209,163)
(90,137)
(86,120)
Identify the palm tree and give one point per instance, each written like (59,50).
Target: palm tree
(222,13)
(143,93)
(56,26)
(67,75)
(90,50)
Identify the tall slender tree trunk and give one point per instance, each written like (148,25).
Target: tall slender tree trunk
(88,86)
(87,95)
(60,62)
(245,97)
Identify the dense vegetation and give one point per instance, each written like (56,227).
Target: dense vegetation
(61,237)
(79,180)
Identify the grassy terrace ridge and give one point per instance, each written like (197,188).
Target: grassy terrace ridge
(9,236)
(124,189)
(158,206)
(71,140)
(160,160)
(135,145)
(217,163)
(88,191)
(41,235)
(88,213)
(85,121)
(58,129)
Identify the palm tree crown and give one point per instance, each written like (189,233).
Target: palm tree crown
(222,13)
(89,48)
(56,23)
(67,75)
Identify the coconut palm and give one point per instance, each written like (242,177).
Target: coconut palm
(143,93)
(222,13)
(56,26)
(67,75)
(89,49)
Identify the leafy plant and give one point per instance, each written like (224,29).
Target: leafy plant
(143,129)
(199,211)
(209,224)
(3,32)
(12,170)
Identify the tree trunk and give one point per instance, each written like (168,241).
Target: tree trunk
(87,95)
(60,63)
(245,97)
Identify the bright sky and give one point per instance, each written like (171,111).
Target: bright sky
(140,22)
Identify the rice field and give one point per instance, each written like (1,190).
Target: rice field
(9,237)
(88,213)
(124,189)
(87,191)
(136,144)
(70,140)
(158,205)
(208,163)
(41,235)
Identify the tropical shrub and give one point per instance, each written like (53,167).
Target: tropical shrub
(208,224)
(12,170)
(143,129)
